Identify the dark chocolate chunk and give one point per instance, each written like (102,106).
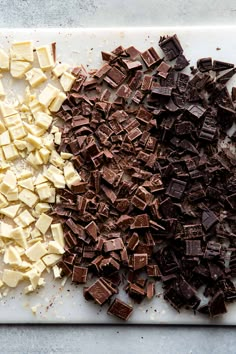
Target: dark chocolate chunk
(221,65)
(79,274)
(208,219)
(217,305)
(171,47)
(204,64)
(176,188)
(196,111)
(181,63)
(193,248)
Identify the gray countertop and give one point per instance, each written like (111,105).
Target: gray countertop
(116,339)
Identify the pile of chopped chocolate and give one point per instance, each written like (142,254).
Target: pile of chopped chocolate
(157,197)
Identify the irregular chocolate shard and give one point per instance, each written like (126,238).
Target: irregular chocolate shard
(92,230)
(124,91)
(174,298)
(162,91)
(217,305)
(225,77)
(221,65)
(171,47)
(181,62)
(184,128)
(120,309)
(182,82)
(140,222)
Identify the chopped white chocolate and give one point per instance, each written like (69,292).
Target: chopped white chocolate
(22,51)
(24,219)
(17,132)
(5,138)
(59,69)
(11,256)
(66,155)
(12,195)
(43,191)
(67,81)
(19,68)
(48,94)
(39,266)
(27,183)
(56,160)
(35,77)
(2,91)
(45,57)
(43,223)
(11,277)
(9,181)
(57,233)
(51,259)
(33,276)
(4,60)
(35,252)
(42,208)
(10,211)
(5,229)
(19,235)
(10,152)
(20,144)
(56,272)
(6,110)
(57,102)
(12,120)
(71,175)
(57,139)
(55,247)
(43,120)
(3,201)
(34,140)
(45,155)
(28,197)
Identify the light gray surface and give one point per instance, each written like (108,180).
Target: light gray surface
(127,340)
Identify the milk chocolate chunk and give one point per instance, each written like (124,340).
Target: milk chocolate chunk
(120,309)
(99,292)
(79,274)
(113,245)
(150,57)
(171,47)
(140,260)
(140,222)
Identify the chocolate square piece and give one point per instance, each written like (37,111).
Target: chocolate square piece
(176,188)
(120,309)
(171,47)
(99,292)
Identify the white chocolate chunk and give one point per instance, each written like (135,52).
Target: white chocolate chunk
(51,259)
(42,208)
(57,233)
(10,152)
(17,132)
(39,266)
(43,191)
(9,181)
(55,247)
(19,235)
(11,256)
(45,57)
(67,81)
(43,223)
(5,229)
(57,102)
(35,77)
(28,289)
(56,272)
(48,94)
(11,277)
(45,155)
(5,138)
(35,252)
(22,51)
(10,211)
(34,140)
(28,197)
(24,219)
(33,276)
(3,201)
(12,195)
(12,120)
(40,179)
(52,197)
(59,69)
(19,68)
(43,120)
(2,128)
(57,139)
(4,60)
(27,183)
(6,110)
(71,175)
(56,159)
(2,91)
(66,155)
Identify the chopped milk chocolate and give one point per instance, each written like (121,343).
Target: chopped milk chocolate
(157,193)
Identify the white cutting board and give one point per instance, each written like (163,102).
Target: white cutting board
(58,304)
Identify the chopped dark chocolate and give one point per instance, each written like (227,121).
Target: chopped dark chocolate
(157,196)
